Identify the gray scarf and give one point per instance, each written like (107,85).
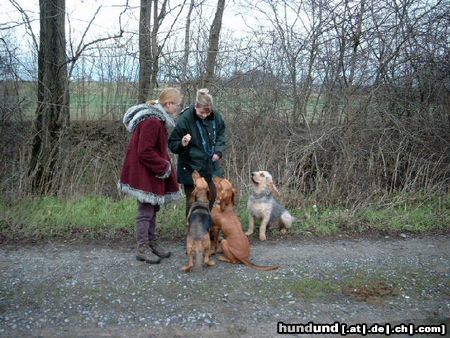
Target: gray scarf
(141,112)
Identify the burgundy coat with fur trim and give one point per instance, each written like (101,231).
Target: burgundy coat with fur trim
(147,171)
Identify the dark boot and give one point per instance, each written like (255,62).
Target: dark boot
(145,254)
(158,250)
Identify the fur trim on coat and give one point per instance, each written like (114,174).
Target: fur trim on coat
(141,112)
(148,197)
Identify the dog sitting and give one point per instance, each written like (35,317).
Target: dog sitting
(263,206)
(235,246)
(199,219)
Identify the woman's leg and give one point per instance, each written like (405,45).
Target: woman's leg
(145,222)
(152,224)
(150,211)
(146,213)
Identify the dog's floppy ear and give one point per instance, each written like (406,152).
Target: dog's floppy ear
(216,180)
(219,196)
(273,188)
(222,204)
(233,196)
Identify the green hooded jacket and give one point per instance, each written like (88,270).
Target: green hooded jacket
(208,137)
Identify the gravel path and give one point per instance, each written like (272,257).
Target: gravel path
(91,290)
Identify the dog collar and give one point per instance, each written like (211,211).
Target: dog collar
(200,205)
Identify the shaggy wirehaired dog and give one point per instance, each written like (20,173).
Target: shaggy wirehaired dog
(263,206)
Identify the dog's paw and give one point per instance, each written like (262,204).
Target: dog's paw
(210,263)
(187,268)
(224,259)
(262,237)
(248,233)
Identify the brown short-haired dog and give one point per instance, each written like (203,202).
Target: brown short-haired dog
(198,242)
(235,246)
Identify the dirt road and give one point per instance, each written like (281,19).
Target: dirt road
(79,290)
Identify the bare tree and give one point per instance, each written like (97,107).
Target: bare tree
(295,32)
(145,52)
(187,40)
(52,113)
(155,47)
(150,47)
(213,48)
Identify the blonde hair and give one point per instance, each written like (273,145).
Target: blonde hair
(204,99)
(167,95)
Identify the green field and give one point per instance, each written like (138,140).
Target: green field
(94,100)
(87,101)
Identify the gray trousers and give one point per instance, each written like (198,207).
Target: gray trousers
(146,222)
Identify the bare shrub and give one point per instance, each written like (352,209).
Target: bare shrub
(93,164)
(383,155)
(90,166)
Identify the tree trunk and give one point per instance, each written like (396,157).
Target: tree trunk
(349,89)
(155,48)
(213,48)
(52,113)
(187,40)
(145,52)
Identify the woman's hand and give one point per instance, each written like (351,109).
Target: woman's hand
(185,140)
(215,158)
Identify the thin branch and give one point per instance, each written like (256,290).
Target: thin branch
(81,48)
(27,22)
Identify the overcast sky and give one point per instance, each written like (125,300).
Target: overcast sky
(80,13)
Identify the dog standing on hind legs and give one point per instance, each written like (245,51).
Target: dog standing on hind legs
(198,243)
(262,205)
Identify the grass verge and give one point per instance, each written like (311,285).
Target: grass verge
(95,217)
(415,214)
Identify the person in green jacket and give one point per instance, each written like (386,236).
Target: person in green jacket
(199,139)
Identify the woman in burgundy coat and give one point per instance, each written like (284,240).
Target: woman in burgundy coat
(147,172)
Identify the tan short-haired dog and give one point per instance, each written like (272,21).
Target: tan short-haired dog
(263,206)
(198,243)
(235,246)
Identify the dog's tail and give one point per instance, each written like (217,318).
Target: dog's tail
(248,263)
(287,219)
(199,250)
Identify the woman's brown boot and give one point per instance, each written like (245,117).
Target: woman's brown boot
(158,250)
(144,253)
